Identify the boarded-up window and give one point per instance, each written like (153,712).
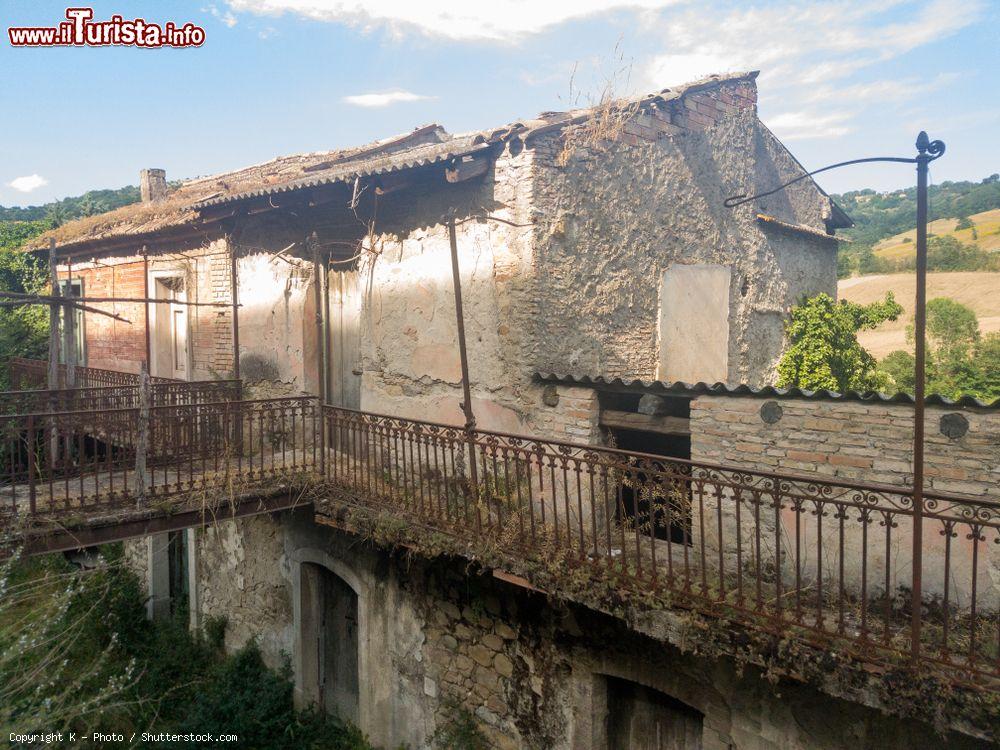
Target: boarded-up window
(694,324)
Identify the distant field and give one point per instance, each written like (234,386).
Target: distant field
(975,289)
(987,226)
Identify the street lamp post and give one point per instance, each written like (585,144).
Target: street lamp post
(927,151)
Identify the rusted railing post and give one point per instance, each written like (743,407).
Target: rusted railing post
(142,435)
(32,442)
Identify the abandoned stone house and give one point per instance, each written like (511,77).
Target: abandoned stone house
(604,285)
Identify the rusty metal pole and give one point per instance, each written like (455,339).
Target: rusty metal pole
(470,417)
(53,377)
(69,328)
(919,368)
(145,294)
(313,245)
(927,151)
(234,295)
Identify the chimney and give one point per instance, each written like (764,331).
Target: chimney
(152,185)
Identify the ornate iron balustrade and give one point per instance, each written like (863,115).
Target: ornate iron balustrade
(170,393)
(814,558)
(825,560)
(60,464)
(33,374)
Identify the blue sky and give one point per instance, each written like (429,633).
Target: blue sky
(839,80)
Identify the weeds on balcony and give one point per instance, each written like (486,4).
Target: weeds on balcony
(621,588)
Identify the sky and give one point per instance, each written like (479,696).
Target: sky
(839,80)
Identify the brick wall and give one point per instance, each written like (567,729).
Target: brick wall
(568,414)
(698,110)
(859,441)
(117,345)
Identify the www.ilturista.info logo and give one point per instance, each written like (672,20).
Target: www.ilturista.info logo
(79,30)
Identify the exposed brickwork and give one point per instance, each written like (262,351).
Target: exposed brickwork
(121,346)
(568,413)
(695,111)
(864,441)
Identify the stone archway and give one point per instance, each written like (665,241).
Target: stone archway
(330,630)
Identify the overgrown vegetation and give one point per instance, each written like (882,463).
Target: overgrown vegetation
(77,653)
(23,330)
(823,350)
(924,695)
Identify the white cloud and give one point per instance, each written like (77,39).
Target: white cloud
(28,183)
(806,52)
(500,20)
(383,99)
(226,18)
(794,126)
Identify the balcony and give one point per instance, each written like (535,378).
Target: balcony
(823,562)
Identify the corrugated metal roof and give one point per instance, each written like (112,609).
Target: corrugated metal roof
(721,389)
(418,156)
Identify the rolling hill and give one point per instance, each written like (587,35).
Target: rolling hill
(978,290)
(984,234)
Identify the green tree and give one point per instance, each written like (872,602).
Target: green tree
(964,222)
(960,361)
(898,366)
(23,330)
(987,359)
(824,352)
(952,329)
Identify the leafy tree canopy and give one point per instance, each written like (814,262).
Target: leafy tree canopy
(960,361)
(824,352)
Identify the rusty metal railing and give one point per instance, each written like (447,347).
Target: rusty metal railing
(33,374)
(70,463)
(823,559)
(171,393)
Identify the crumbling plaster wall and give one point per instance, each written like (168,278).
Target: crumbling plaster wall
(278,346)
(409,338)
(617,214)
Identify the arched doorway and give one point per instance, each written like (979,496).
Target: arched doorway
(329,642)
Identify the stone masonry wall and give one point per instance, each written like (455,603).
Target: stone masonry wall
(612,216)
(436,641)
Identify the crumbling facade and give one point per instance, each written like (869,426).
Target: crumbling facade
(593,242)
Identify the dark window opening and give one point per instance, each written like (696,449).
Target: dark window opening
(660,504)
(177,570)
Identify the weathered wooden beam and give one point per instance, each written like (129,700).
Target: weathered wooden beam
(627,420)
(465,168)
(47,299)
